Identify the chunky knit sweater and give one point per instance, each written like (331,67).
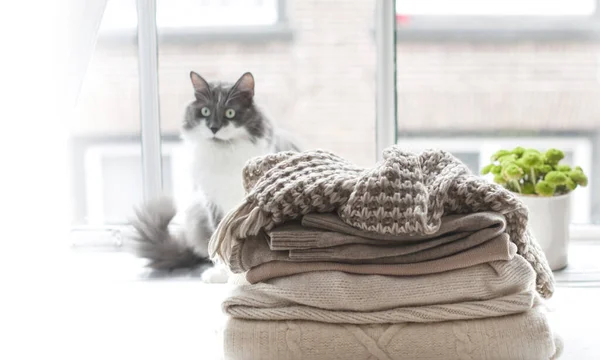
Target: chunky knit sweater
(406,193)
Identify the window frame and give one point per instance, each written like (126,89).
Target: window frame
(500,28)
(94,176)
(279,31)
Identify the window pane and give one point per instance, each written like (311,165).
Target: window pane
(105,144)
(194,13)
(482,96)
(317,82)
(497,7)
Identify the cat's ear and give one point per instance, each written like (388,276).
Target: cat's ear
(200,85)
(245,85)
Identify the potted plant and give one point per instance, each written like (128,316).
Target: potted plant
(545,186)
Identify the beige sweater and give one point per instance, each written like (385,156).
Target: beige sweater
(524,336)
(486,290)
(326,230)
(497,249)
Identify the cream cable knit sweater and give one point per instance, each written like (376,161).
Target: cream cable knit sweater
(524,336)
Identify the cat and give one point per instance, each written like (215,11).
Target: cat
(223,127)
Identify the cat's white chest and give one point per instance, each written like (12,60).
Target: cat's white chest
(217,169)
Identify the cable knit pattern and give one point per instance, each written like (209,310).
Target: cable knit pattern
(522,336)
(406,193)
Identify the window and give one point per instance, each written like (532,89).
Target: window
(121,15)
(470,96)
(107,116)
(113,173)
(189,21)
(496,20)
(315,87)
(458,87)
(496,7)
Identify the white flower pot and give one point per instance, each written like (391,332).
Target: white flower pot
(549,219)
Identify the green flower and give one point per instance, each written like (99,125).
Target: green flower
(528,189)
(556,178)
(571,185)
(563,168)
(507,159)
(553,156)
(512,172)
(498,179)
(522,164)
(544,168)
(499,154)
(518,151)
(532,159)
(578,177)
(487,169)
(529,171)
(544,188)
(496,170)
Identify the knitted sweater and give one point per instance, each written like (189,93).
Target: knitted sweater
(487,290)
(406,193)
(521,336)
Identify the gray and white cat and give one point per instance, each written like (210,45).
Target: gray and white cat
(222,128)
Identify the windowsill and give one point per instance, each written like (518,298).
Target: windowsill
(195,35)
(93,247)
(583,269)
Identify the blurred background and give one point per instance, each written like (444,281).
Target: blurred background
(470,78)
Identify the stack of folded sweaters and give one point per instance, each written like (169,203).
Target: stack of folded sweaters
(414,259)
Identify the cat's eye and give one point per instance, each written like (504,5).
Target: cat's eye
(205,111)
(229,113)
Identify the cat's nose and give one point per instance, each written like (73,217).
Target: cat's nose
(214,129)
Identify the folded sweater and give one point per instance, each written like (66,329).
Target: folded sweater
(524,336)
(334,290)
(496,249)
(324,230)
(492,289)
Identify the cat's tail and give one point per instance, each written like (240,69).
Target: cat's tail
(154,241)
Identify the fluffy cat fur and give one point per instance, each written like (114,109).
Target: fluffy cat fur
(222,129)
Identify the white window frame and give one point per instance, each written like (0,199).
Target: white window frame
(581,147)
(454,27)
(94,177)
(170,13)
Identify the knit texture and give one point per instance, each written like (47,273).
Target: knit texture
(254,252)
(497,249)
(488,290)
(406,193)
(334,290)
(457,233)
(324,230)
(522,336)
